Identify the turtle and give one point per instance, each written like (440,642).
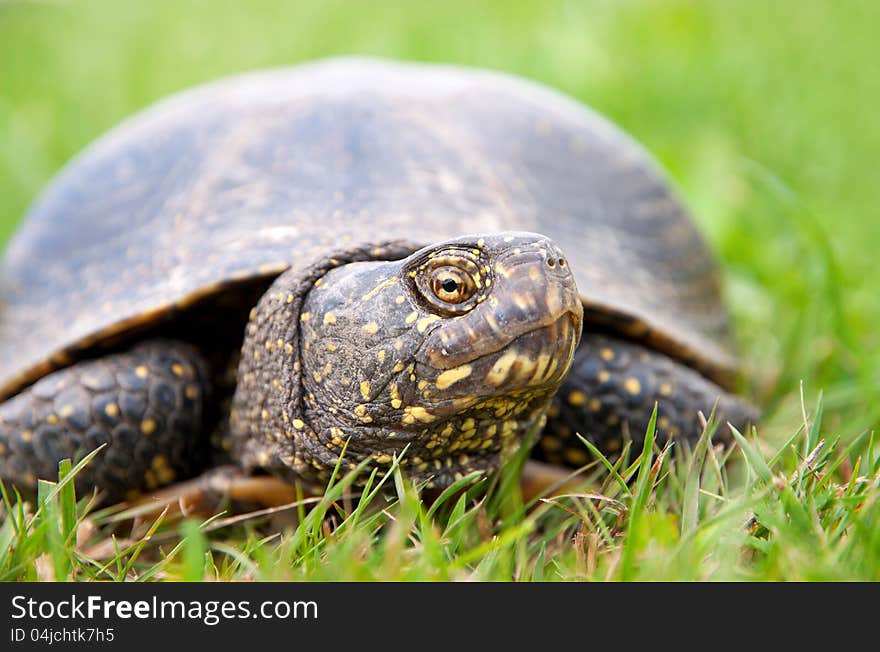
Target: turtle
(355,263)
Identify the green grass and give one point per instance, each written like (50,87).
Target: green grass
(765,116)
(809,512)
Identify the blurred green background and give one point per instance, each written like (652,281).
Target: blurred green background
(764,113)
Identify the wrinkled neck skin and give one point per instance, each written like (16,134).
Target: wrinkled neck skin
(352,361)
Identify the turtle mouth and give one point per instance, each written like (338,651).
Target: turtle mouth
(533,364)
(537,358)
(484,417)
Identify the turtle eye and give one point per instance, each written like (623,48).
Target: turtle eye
(451,285)
(451,281)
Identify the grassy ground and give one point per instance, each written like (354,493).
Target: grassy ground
(764,114)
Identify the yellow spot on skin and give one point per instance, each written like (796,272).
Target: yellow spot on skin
(288,348)
(331,347)
(603,376)
(192,392)
(316,376)
(500,370)
(264,415)
(305,316)
(664,423)
(299,424)
(111,410)
(554,300)
(411,317)
(422,384)
(577,398)
(468,424)
(398,367)
(425,322)
(595,405)
(177,369)
(665,389)
(65,412)
(382,458)
(148,426)
(540,367)
(452,376)
(141,372)
(413,413)
(381,356)
(395,396)
(632,386)
(606,354)
(360,412)
(365,389)
(550,443)
(26,435)
(52,419)
(399,299)
(526,366)
(329,318)
(370,329)
(290,296)
(384,284)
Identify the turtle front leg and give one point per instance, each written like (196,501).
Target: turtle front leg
(146,404)
(609,395)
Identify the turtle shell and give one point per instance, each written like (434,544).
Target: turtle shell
(247,176)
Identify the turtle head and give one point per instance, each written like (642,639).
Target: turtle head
(450,354)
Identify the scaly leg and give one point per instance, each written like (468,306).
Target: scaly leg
(147,404)
(610,392)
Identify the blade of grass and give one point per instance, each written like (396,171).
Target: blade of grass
(640,502)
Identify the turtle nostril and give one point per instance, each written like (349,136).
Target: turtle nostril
(562,262)
(551,262)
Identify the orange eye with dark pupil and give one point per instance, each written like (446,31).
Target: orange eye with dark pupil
(452,285)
